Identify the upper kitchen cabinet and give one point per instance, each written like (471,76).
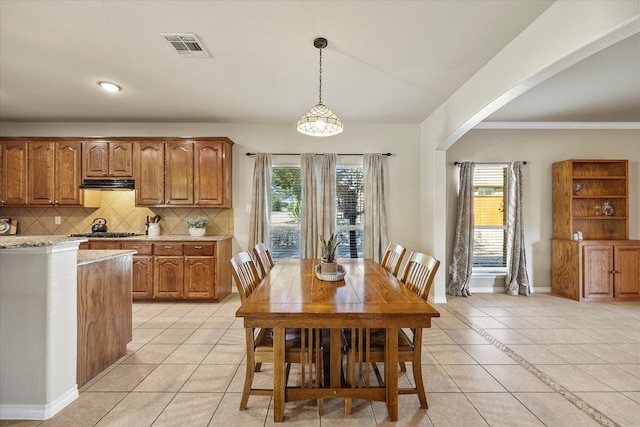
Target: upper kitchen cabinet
(54,173)
(183,172)
(13,176)
(212,173)
(107,159)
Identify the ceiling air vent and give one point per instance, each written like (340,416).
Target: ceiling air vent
(186,44)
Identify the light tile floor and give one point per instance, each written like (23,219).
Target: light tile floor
(491,359)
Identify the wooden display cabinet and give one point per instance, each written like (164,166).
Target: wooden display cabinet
(605,264)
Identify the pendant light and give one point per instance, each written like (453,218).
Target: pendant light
(320,121)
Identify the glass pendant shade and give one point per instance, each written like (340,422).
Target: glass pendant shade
(320,121)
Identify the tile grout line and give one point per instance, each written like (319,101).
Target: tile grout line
(592,412)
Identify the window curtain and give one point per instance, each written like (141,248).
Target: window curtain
(327,198)
(462,262)
(375,217)
(309,228)
(260,221)
(517,280)
(318,182)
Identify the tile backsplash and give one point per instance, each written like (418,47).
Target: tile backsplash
(118,208)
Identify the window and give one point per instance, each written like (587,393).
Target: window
(489,184)
(286,193)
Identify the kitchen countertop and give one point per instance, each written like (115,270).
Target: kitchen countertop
(13,241)
(87,256)
(168,237)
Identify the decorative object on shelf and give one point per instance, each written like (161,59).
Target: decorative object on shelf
(329,246)
(577,187)
(607,209)
(197,225)
(330,277)
(320,121)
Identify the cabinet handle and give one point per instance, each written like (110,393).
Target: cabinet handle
(168,247)
(197,247)
(56,202)
(104,174)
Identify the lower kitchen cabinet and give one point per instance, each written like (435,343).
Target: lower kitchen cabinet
(176,270)
(595,270)
(142,286)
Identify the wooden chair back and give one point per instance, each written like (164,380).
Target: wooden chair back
(245,274)
(392,258)
(419,273)
(263,255)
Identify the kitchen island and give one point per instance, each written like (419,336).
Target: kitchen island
(39,323)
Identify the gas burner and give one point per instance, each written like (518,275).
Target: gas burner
(105,234)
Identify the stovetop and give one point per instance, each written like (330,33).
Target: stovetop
(105,234)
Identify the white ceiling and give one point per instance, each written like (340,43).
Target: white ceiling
(387,61)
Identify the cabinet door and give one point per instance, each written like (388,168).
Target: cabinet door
(13,178)
(149,175)
(95,156)
(67,173)
(120,159)
(41,177)
(210,180)
(598,272)
(627,272)
(168,277)
(142,286)
(179,173)
(199,277)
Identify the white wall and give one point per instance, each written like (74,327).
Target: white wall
(541,148)
(403,182)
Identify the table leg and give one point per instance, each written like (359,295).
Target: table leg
(391,372)
(278,374)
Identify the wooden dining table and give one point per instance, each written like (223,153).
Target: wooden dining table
(292,296)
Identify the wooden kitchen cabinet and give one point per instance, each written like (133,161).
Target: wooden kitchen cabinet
(183,172)
(149,172)
(178,173)
(212,173)
(605,264)
(13,176)
(54,173)
(169,270)
(176,270)
(107,159)
(143,269)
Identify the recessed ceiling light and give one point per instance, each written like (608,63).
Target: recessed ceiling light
(109,87)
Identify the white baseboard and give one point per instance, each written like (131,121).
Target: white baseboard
(10,411)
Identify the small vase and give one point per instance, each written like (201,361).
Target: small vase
(328,267)
(196,232)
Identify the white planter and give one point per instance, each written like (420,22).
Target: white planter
(196,232)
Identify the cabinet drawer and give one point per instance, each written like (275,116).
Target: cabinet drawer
(141,247)
(168,248)
(104,245)
(196,249)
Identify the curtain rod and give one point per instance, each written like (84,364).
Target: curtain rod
(297,154)
(487,163)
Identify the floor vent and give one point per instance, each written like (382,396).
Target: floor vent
(186,45)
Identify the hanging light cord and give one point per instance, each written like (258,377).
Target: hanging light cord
(320,90)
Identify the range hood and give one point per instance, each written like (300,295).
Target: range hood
(107,184)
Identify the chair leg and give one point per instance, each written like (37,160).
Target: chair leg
(248,380)
(403,367)
(351,379)
(417,377)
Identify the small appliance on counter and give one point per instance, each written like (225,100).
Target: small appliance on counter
(99,225)
(8,226)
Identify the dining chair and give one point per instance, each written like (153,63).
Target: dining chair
(301,346)
(263,255)
(392,258)
(417,276)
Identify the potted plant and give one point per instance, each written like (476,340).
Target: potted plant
(197,225)
(329,246)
